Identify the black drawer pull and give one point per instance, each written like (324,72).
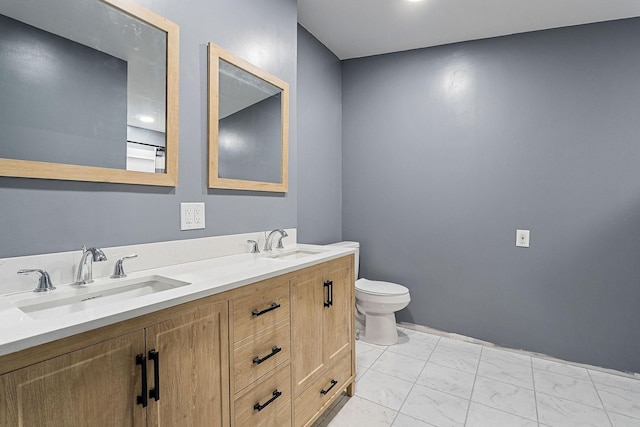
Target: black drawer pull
(274,305)
(274,351)
(155,392)
(258,407)
(329,285)
(333,384)
(142,400)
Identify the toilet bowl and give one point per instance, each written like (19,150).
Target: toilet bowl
(376,305)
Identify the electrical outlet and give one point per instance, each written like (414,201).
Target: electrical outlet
(198,215)
(522,238)
(191,216)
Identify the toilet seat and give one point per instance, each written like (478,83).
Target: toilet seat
(379,288)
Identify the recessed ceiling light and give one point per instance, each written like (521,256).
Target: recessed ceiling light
(414,1)
(146,119)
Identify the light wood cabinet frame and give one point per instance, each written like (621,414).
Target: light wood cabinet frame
(217,53)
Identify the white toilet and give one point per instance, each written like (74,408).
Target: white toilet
(376,304)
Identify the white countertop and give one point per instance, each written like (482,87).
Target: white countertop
(19,331)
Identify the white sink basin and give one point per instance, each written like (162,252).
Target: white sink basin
(94,295)
(291,254)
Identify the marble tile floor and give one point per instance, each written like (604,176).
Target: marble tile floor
(431,381)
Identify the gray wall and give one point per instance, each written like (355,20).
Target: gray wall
(78,107)
(320,136)
(40,216)
(448,150)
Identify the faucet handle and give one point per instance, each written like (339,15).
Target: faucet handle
(118,271)
(254,247)
(44,283)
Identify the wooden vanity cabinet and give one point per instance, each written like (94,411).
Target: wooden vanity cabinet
(94,386)
(102,384)
(274,353)
(322,318)
(260,360)
(193,368)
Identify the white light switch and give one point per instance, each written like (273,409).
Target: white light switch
(191,216)
(522,238)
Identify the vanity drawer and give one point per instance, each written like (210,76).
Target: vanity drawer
(259,355)
(260,311)
(320,392)
(267,402)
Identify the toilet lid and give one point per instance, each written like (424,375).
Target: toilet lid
(374,287)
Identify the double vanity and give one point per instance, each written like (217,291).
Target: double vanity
(206,338)
(240,340)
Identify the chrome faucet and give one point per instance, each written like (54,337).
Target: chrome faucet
(118,270)
(44,282)
(254,246)
(268,244)
(85,269)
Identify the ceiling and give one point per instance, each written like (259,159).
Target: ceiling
(356,28)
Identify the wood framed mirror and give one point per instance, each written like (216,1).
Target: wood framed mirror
(88,92)
(248,125)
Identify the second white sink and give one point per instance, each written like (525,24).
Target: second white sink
(291,254)
(92,296)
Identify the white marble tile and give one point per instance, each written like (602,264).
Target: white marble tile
(403,420)
(366,354)
(619,420)
(460,345)
(435,407)
(556,412)
(631,384)
(383,389)
(619,400)
(337,406)
(560,368)
(506,397)
(484,416)
(447,380)
(566,387)
(518,374)
(413,347)
(398,365)
(359,412)
(505,356)
(360,370)
(456,359)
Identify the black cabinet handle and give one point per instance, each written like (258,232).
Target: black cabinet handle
(142,400)
(273,306)
(155,392)
(329,286)
(258,407)
(333,384)
(274,351)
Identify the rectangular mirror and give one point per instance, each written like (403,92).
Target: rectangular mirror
(248,125)
(88,92)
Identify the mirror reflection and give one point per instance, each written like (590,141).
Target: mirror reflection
(248,126)
(249,131)
(85,83)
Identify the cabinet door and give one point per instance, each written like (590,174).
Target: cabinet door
(338,317)
(307,304)
(95,386)
(193,369)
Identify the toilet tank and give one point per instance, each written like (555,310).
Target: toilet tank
(356,246)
